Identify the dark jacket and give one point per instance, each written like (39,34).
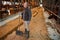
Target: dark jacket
(27,14)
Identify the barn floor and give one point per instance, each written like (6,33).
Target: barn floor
(38,28)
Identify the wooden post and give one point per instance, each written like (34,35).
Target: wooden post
(0,1)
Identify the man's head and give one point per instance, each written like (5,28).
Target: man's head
(25,4)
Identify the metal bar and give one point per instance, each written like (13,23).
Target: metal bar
(53,13)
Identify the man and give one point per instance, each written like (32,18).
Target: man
(27,18)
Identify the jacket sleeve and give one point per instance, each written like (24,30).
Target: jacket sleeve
(22,14)
(30,14)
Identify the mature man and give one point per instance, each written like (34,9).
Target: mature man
(27,18)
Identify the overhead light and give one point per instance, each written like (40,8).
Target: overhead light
(41,5)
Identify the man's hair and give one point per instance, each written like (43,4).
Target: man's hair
(26,3)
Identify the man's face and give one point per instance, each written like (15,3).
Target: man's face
(25,5)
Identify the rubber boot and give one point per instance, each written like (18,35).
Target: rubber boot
(26,33)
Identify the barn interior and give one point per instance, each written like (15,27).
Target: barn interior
(44,24)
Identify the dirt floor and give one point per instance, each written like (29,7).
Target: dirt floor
(38,30)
